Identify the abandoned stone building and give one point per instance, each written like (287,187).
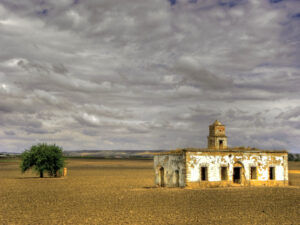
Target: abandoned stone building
(218,165)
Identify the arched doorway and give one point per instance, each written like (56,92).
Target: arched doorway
(161,177)
(220,144)
(238,176)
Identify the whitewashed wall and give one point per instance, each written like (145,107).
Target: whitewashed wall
(213,162)
(170,163)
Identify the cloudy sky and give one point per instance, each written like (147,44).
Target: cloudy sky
(149,74)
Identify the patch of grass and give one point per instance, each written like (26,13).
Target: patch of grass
(9,160)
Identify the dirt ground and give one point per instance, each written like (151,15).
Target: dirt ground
(122,192)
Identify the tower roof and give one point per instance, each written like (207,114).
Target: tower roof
(217,123)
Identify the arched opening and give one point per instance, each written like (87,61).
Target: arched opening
(220,144)
(161,177)
(238,173)
(176,178)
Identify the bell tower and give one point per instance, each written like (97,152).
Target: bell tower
(217,139)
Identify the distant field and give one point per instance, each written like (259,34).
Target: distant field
(294,165)
(122,192)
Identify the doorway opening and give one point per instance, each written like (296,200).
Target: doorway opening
(162,177)
(220,144)
(237,175)
(176,178)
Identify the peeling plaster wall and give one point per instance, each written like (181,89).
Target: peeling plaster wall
(215,160)
(170,163)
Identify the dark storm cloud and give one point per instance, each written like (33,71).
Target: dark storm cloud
(195,76)
(10,132)
(117,74)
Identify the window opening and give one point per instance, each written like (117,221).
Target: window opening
(253,174)
(272,173)
(224,174)
(203,173)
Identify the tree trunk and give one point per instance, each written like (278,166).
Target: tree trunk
(41,174)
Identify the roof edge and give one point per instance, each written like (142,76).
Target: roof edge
(234,149)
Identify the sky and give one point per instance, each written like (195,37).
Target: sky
(142,75)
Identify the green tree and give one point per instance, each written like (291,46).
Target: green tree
(43,157)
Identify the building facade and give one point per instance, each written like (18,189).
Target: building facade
(218,165)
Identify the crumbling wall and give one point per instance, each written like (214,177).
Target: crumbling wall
(215,160)
(170,164)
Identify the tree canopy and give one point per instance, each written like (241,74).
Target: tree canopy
(43,157)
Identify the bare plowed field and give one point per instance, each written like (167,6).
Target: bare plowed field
(122,192)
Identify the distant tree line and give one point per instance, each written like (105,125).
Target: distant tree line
(294,157)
